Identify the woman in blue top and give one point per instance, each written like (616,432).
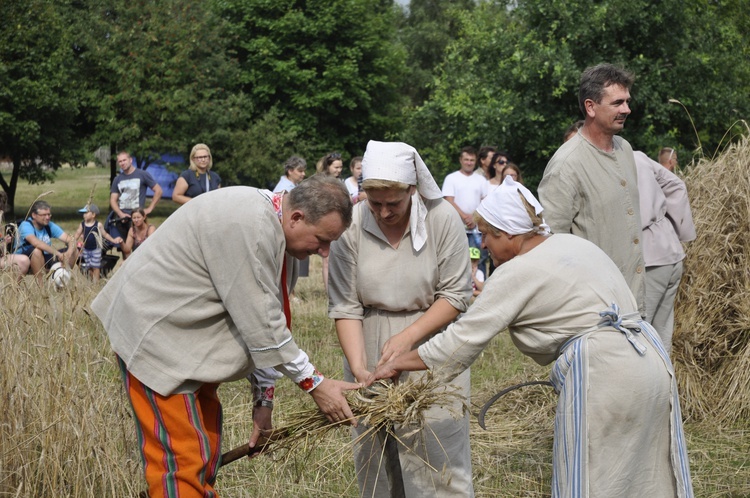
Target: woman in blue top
(199,178)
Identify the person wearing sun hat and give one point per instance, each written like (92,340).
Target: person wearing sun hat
(398,276)
(618,427)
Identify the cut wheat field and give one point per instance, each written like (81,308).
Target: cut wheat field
(66,428)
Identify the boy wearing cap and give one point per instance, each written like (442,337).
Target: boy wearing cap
(91,231)
(477,275)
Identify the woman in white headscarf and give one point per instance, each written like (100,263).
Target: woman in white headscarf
(618,429)
(398,276)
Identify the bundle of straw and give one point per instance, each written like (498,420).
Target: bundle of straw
(383,405)
(711,348)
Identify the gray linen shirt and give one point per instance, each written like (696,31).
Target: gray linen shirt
(594,194)
(366,272)
(200,301)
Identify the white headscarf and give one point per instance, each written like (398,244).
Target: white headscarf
(400,162)
(504,209)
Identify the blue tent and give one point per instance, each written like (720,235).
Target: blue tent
(163,176)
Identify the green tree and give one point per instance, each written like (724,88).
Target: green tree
(511,77)
(38,99)
(158,75)
(428,27)
(330,70)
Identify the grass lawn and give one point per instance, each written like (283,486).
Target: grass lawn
(66,428)
(71,190)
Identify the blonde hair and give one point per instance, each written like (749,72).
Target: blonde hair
(376,184)
(484,226)
(196,148)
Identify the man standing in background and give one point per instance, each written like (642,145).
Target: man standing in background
(590,186)
(465,189)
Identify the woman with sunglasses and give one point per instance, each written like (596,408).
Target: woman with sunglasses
(498,163)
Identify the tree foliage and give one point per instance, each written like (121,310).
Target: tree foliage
(330,69)
(258,79)
(38,100)
(511,77)
(427,29)
(157,74)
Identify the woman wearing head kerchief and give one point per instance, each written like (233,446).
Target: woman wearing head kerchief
(199,178)
(618,430)
(398,276)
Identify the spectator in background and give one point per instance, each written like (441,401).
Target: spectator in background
(571,131)
(668,158)
(330,165)
(590,186)
(496,166)
(294,172)
(667,222)
(128,193)
(486,153)
(36,234)
(90,232)
(512,170)
(139,232)
(354,182)
(199,178)
(464,190)
(498,163)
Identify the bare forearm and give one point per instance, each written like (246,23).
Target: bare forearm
(437,316)
(351,338)
(409,362)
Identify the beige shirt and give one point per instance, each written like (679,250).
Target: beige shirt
(544,297)
(201,301)
(594,194)
(365,271)
(665,213)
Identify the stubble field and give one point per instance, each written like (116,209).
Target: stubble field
(66,428)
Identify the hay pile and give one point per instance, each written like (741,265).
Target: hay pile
(711,348)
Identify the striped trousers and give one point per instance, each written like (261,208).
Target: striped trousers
(179,437)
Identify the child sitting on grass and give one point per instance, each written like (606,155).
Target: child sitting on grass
(91,231)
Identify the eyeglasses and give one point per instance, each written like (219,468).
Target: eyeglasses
(501,161)
(334,155)
(200,158)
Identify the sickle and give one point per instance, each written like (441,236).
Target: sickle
(487,405)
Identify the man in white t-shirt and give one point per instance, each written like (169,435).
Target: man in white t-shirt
(465,189)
